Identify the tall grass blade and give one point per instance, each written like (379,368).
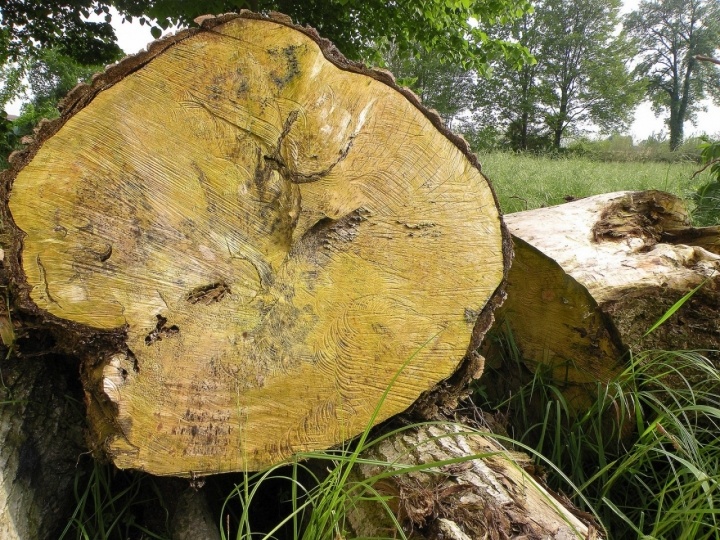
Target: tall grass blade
(671,311)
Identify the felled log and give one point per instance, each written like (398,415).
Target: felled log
(592,276)
(477,489)
(244,238)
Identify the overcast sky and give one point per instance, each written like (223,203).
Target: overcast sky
(133,37)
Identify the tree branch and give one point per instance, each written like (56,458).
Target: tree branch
(708,164)
(703,58)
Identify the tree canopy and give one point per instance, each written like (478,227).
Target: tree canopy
(670,33)
(580,76)
(583,73)
(508,100)
(451,28)
(27,26)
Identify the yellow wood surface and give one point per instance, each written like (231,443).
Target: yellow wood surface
(277,235)
(557,327)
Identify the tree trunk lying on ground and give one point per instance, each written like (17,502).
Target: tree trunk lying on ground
(491,496)
(592,276)
(244,236)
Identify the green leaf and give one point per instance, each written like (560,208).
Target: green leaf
(156,32)
(677,305)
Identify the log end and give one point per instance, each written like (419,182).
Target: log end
(249,240)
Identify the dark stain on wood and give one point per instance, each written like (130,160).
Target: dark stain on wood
(289,54)
(161,331)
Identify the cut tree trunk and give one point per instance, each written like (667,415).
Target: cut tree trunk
(478,489)
(591,277)
(245,237)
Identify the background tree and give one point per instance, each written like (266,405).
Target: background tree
(445,87)
(11,85)
(582,67)
(580,76)
(707,196)
(509,97)
(670,33)
(10,75)
(32,25)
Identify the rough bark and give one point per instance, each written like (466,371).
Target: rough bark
(193,519)
(41,439)
(478,490)
(590,278)
(244,237)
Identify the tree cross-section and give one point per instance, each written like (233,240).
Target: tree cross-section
(246,237)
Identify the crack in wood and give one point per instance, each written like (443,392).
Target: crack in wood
(299,178)
(43,276)
(303,178)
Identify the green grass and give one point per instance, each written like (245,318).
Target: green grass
(110,504)
(525,181)
(646,455)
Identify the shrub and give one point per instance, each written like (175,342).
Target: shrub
(707,196)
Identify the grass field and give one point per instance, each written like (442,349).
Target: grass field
(523,182)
